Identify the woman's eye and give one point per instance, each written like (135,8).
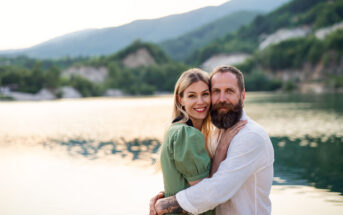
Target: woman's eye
(191,96)
(206,94)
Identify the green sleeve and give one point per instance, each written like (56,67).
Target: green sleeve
(190,156)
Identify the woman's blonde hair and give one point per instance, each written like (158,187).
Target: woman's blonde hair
(186,79)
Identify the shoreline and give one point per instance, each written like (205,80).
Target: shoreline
(8,98)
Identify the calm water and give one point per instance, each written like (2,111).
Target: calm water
(91,156)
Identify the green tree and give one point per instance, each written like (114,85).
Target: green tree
(85,87)
(114,72)
(52,78)
(35,81)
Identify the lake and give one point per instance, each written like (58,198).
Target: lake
(98,155)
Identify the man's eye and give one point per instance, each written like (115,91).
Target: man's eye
(206,94)
(191,96)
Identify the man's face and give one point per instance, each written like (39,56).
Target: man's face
(227,100)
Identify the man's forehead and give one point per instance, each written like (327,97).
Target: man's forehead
(224,79)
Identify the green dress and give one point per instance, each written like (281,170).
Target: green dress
(183,158)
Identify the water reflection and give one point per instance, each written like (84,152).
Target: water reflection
(325,102)
(312,160)
(298,161)
(91,149)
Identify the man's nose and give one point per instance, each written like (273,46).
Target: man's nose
(222,97)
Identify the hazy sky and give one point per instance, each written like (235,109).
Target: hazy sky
(24,23)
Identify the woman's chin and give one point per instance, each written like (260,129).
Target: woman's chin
(200,116)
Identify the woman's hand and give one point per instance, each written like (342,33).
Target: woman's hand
(153,203)
(229,134)
(224,143)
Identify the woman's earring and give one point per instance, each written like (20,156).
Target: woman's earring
(183,108)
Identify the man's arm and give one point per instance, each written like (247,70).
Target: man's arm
(168,205)
(246,155)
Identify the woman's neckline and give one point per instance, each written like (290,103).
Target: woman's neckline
(188,122)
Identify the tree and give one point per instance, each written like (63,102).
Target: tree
(52,77)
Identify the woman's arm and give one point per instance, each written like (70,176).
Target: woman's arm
(194,182)
(220,155)
(221,150)
(224,143)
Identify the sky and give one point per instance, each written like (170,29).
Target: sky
(24,23)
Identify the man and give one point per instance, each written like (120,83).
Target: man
(243,180)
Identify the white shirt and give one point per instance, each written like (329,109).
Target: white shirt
(242,184)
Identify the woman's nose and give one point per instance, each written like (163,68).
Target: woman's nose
(200,100)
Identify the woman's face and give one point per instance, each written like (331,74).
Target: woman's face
(196,100)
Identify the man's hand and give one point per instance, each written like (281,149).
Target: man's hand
(168,205)
(153,202)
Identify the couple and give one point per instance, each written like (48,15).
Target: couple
(223,170)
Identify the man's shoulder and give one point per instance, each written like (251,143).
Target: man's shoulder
(254,137)
(253,128)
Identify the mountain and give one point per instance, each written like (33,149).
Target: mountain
(298,44)
(95,42)
(312,13)
(181,47)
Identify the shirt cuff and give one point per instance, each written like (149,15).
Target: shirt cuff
(181,198)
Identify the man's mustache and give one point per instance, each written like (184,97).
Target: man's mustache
(222,105)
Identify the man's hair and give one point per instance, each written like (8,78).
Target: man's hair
(233,70)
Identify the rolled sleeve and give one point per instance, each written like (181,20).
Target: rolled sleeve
(184,203)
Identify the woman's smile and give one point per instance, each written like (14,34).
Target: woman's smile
(196,101)
(200,110)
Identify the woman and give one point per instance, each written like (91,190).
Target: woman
(186,151)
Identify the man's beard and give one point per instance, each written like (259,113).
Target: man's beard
(227,119)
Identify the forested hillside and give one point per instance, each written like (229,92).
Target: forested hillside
(298,46)
(315,13)
(155,72)
(287,61)
(181,47)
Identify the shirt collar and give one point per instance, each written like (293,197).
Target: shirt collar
(244,115)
